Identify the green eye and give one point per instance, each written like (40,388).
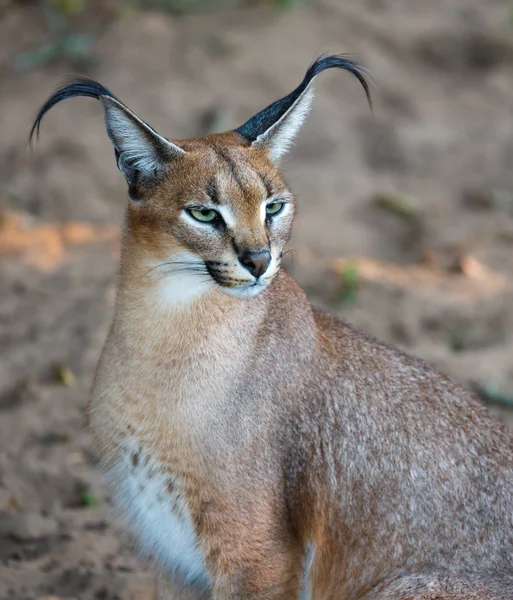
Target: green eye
(205,215)
(274,208)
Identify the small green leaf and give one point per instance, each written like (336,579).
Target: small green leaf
(53,437)
(65,376)
(404,206)
(68,7)
(288,4)
(349,281)
(89,500)
(457,339)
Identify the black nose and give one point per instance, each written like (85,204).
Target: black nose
(255,262)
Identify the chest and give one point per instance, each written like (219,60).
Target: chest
(150,499)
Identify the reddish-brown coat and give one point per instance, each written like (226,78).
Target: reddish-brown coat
(285,428)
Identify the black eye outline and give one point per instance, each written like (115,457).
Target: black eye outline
(269,215)
(216,219)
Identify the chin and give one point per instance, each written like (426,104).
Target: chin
(245,291)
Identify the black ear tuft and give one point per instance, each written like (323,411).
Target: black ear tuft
(142,155)
(79,86)
(265,119)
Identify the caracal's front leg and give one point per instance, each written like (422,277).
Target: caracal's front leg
(270,575)
(249,548)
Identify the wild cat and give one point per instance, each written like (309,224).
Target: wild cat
(261,448)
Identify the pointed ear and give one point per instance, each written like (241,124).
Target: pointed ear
(276,126)
(143,155)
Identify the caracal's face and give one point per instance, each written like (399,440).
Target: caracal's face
(219,219)
(211,212)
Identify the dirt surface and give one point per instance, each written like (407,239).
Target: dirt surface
(405,224)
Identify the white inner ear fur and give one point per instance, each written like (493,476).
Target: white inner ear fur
(278,138)
(137,143)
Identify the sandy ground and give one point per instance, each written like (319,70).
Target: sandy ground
(405,225)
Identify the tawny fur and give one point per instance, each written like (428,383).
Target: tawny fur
(306,458)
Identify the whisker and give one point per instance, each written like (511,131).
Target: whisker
(289,252)
(293,256)
(176,266)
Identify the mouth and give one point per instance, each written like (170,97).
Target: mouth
(241,288)
(246,291)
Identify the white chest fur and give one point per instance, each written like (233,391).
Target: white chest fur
(149,499)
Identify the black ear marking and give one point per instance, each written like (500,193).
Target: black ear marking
(265,119)
(80,86)
(142,155)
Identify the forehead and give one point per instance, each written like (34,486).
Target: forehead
(223,173)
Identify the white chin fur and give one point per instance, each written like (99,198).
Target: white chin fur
(180,288)
(247,291)
(184,288)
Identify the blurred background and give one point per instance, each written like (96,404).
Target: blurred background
(404,228)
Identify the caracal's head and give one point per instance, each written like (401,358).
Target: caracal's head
(212,211)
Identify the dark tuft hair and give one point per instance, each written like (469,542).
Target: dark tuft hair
(77,87)
(263,120)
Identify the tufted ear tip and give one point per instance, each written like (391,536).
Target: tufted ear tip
(141,153)
(80,86)
(276,126)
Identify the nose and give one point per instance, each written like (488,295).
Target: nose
(255,262)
